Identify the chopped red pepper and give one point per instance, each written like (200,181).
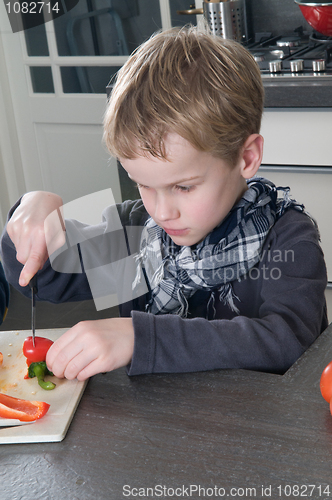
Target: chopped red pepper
(1,358)
(37,353)
(22,409)
(36,356)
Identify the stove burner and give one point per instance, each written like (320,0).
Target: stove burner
(259,56)
(289,41)
(278,53)
(317,37)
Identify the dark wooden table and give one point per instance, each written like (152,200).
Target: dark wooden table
(221,434)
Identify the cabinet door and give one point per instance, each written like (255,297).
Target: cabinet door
(297,136)
(313,188)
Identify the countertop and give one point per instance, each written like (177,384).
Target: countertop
(233,433)
(298,92)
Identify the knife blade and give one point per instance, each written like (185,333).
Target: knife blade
(10,422)
(33,286)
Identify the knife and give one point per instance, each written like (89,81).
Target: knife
(11,422)
(33,286)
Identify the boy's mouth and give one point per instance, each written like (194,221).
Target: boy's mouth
(176,232)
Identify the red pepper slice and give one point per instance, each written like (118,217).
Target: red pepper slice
(21,409)
(37,353)
(1,358)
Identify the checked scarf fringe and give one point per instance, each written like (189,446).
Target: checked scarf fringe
(174,273)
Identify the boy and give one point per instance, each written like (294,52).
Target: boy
(241,279)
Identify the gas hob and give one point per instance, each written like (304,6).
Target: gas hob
(296,56)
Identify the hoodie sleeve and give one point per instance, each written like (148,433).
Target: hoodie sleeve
(65,278)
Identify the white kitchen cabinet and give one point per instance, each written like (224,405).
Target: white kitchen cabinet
(297,136)
(312,187)
(298,153)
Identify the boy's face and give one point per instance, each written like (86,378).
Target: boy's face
(189,194)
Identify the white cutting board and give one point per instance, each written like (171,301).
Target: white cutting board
(63,399)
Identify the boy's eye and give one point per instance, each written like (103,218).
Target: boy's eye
(185,189)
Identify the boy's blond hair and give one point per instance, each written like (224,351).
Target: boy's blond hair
(185,80)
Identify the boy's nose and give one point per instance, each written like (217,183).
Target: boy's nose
(165,209)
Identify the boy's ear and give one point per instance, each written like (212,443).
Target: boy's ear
(252,154)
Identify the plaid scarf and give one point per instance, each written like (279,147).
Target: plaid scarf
(174,273)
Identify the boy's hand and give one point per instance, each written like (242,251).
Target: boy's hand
(31,236)
(92,347)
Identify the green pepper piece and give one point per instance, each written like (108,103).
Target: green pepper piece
(40,370)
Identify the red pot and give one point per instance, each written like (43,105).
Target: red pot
(318,15)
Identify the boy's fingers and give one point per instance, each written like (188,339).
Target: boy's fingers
(42,246)
(89,370)
(35,261)
(79,364)
(59,345)
(71,360)
(27,274)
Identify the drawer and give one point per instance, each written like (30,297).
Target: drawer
(297,137)
(313,188)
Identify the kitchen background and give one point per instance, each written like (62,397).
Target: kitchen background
(53,82)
